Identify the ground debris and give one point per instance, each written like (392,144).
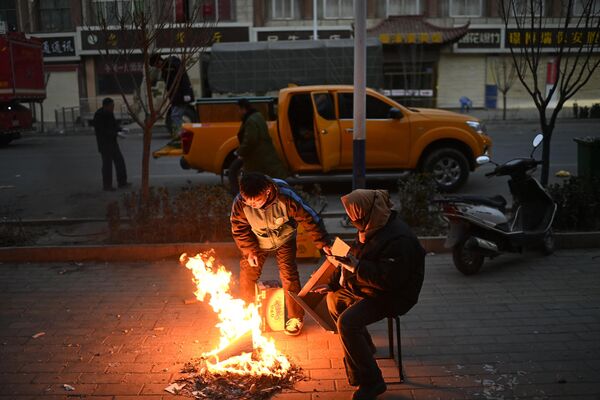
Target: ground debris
(202,384)
(39,334)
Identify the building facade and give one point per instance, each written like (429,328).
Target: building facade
(435,51)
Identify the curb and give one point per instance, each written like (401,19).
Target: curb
(156,252)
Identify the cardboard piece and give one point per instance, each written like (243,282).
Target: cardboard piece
(315,304)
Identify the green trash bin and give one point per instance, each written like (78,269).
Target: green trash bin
(588,156)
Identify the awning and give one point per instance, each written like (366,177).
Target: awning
(414,29)
(260,67)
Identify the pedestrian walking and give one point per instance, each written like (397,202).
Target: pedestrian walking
(256,152)
(381,277)
(106,129)
(264,219)
(179,88)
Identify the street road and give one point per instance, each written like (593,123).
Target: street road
(54,177)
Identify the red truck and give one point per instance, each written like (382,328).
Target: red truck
(21,81)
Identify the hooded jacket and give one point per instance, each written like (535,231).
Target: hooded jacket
(391,264)
(275,223)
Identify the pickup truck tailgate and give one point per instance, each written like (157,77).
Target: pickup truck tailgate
(168,150)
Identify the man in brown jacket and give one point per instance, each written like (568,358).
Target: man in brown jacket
(264,218)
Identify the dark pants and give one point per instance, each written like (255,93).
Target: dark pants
(112,155)
(233,174)
(352,314)
(288,272)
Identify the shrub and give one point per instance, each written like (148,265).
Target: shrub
(578,202)
(416,192)
(194,214)
(12,231)
(595,111)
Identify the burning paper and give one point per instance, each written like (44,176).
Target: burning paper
(242,348)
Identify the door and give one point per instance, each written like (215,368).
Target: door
(387,139)
(327,130)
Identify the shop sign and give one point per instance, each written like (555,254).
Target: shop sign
(96,40)
(552,37)
(58,47)
(304,34)
(408,92)
(481,38)
(411,38)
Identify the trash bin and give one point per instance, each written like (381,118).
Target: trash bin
(588,156)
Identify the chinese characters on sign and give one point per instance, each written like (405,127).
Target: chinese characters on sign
(552,37)
(411,38)
(275,36)
(481,38)
(60,46)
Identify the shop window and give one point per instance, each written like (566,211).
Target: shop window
(112,11)
(334,9)
(403,7)
(284,9)
(55,16)
(579,7)
(524,7)
(8,14)
(376,108)
(213,10)
(465,8)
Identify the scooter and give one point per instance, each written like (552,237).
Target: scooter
(480,226)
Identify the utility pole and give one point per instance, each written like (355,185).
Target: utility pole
(359,180)
(315,34)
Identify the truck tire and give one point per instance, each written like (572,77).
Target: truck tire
(465,260)
(449,168)
(5,140)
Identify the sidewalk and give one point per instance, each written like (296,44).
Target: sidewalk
(525,327)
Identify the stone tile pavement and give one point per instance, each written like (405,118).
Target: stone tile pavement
(525,327)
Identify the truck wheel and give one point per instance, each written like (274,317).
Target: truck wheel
(4,141)
(449,168)
(465,260)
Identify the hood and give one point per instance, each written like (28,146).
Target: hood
(435,112)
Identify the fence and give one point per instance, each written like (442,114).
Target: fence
(67,118)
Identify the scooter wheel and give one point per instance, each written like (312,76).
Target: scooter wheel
(465,260)
(548,245)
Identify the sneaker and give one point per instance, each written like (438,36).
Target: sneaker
(124,185)
(293,326)
(369,392)
(109,189)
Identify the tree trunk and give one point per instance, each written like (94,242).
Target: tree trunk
(503,106)
(146,161)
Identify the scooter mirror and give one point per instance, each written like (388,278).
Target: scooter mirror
(537,140)
(482,160)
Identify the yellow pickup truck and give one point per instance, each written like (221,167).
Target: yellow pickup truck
(312,129)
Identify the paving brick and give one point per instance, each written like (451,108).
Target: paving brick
(116,389)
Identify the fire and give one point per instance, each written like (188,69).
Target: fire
(238,320)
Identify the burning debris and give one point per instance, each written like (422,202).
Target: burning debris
(245,364)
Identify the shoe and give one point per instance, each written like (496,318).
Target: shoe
(369,392)
(124,185)
(109,189)
(293,326)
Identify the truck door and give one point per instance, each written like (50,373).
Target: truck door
(327,130)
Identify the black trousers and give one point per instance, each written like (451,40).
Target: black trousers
(352,314)
(111,154)
(288,272)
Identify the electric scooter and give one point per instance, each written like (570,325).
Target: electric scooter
(480,226)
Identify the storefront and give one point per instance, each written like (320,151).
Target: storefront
(63,70)
(411,54)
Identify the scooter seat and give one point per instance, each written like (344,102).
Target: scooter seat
(497,201)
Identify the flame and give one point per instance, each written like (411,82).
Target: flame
(236,319)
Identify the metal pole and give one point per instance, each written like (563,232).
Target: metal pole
(315,34)
(359,180)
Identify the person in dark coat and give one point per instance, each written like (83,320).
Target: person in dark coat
(256,152)
(106,128)
(381,277)
(178,86)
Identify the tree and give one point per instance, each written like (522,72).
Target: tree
(571,40)
(504,74)
(130,32)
